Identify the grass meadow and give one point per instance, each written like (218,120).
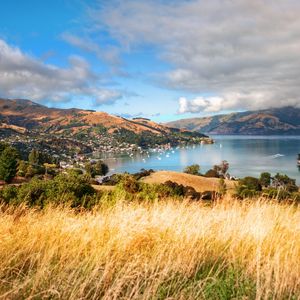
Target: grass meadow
(163,250)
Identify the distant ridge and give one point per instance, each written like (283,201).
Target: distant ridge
(273,121)
(24,116)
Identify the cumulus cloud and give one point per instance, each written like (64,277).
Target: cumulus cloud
(246,52)
(23,76)
(229,101)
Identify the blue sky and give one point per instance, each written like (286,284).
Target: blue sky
(159,59)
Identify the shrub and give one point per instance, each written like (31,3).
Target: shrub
(222,168)
(64,188)
(222,188)
(285,182)
(113,179)
(248,187)
(212,173)
(193,169)
(142,173)
(130,184)
(265,179)
(8,193)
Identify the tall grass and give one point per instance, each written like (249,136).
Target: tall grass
(163,250)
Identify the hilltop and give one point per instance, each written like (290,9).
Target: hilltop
(199,183)
(274,121)
(28,115)
(27,124)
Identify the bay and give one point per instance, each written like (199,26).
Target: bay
(247,156)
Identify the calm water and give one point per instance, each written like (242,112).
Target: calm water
(246,156)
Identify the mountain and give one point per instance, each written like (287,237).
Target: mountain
(274,121)
(30,123)
(32,116)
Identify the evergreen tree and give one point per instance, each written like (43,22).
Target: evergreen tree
(8,164)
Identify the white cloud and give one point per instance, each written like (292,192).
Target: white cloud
(23,76)
(109,54)
(244,49)
(229,101)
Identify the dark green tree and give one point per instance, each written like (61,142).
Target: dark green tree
(285,182)
(265,179)
(8,164)
(212,173)
(248,187)
(101,168)
(2,146)
(193,169)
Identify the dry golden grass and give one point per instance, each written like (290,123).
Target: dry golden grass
(165,250)
(199,183)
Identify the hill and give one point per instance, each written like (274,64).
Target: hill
(274,121)
(199,183)
(28,124)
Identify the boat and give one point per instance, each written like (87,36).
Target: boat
(298,161)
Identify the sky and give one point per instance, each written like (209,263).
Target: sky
(159,59)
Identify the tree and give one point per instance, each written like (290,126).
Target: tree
(33,157)
(193,169)
(248,187)
(8,164)
(265,179)
(284,182)
(222,168)
(101,168)
(212,173)
(89,169)
(2,146)
(22,168)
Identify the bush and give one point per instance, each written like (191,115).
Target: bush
(130,184)
(142,173)
(222,188)
(265,179)
(64,188)
(285,182)
(113,179)
(212,173)
(193,169)
(248,187)
(8,193)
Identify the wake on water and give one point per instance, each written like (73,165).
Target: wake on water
(275,156)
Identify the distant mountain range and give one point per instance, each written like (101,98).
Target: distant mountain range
(26,118)
(274,121)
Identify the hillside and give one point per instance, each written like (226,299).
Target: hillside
(199,183)
(32,116)
(279,121)
(28,124)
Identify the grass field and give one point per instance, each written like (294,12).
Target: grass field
(199,183)
(165,250)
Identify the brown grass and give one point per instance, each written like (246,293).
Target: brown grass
(199,183)
(165,250)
